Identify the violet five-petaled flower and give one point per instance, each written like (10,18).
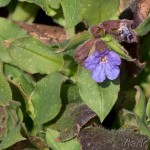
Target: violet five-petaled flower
(103,64)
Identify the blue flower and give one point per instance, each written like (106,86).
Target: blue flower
(103,64)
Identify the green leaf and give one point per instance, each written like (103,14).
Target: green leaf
(70,94)
(127,119)
(143,28)
(130,120)
(26,85)
(99,97)
(24,12)
(148,110)
(22,92)
(90,12)
(4,2)
(22,87)
(11,138)
(51,136)
(54,3)
(142,127)
(44,4)
(8,30)
(18,76)
(74,42)
(4,56)
(33,56)
(70,66)
(140,107)
(52,8)
(12,71)
(70,9)
(145,55)
(5,91)
(115,46)
(76,11)
(59,18)
(13,110)
(97,11)
(46,98)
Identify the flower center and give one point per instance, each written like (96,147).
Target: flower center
(103,59)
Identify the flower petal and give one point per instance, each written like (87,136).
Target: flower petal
(114,58)
(98,73)
(111,71)
(91,62)
(96,54)
(100,54)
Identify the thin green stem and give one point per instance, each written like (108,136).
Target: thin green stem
(24,12)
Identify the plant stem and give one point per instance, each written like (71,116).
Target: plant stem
(24,12)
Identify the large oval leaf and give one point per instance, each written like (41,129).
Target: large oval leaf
(4,2)
(8,30)
(70,9)
(46,98)
(99,97)
(33,56)
(94,12)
